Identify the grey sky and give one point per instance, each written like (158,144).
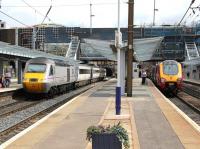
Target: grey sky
(76,12)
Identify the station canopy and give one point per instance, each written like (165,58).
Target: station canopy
(17,51)
(144,49)
(195,61)
(92,49)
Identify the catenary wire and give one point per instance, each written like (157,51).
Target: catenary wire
(14,19)
(36,10)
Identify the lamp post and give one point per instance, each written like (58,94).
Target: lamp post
(154,12)
(119,79)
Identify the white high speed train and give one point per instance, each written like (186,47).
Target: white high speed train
(49,76)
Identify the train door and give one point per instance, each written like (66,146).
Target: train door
(76,72)
(51,73)
(157,74)
(91,73)
(68,74)
(73,74)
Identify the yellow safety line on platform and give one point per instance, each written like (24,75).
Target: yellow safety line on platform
(106,110)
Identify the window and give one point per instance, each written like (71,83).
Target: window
(84,71)
(170,69)
(51,71)
(96,71)
(36,68)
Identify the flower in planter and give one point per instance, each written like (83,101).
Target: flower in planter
(118,130)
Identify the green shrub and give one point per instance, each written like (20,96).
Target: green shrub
(120,132)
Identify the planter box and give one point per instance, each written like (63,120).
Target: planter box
(105,141)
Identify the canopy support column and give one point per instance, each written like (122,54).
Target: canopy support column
(1,67)
(18,66)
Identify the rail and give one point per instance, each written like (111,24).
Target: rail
(192,82)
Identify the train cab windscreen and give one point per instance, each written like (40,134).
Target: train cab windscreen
(170,68)
(36,68)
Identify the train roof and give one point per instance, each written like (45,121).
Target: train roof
(45,60)
(170,61)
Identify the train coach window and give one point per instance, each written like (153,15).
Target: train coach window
(84,71)
(170,69)
(36,68)
(96,71)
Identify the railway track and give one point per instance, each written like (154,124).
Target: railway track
(6,95)
(191,101)
(187,109)
(17,121)
(188,100)
(10,95)
(7,103)
(16,106)
(192,90)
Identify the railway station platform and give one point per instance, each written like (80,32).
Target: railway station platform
(151,120)
(13,86)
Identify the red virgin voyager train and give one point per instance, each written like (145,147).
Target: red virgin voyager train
(168,76)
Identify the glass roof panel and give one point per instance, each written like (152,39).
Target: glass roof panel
(14,50)
(144,48)
(97,48)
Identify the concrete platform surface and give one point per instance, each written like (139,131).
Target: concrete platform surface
(154,130)
(151,120)
(13,86)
